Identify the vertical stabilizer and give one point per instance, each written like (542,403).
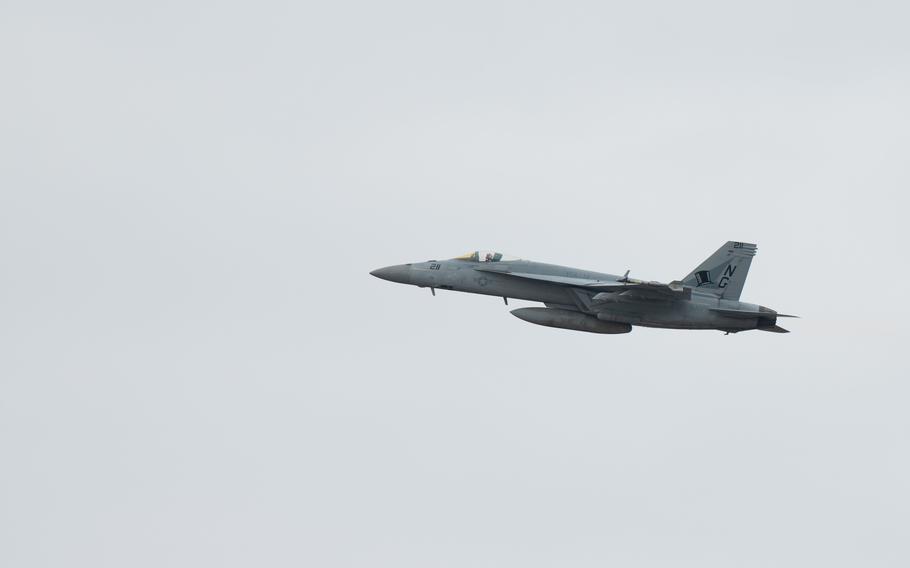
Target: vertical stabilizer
(724,272)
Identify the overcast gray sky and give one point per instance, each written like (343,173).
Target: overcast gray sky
(197,369)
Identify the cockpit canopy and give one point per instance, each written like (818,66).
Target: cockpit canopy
(486,256)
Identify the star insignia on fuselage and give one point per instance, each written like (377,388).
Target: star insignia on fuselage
(483,281)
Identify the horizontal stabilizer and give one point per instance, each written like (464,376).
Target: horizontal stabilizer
(750,314)
(775,329)
(742,313)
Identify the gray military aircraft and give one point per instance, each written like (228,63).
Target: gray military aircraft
(708,298)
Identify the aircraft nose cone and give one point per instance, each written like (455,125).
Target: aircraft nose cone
(400,273)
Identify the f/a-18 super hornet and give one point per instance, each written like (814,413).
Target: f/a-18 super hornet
(708,298)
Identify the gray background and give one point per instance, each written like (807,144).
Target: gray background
(197,369)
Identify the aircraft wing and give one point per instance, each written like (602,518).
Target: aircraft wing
(638,289)
(629,288)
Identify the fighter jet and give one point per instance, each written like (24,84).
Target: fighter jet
(582,300)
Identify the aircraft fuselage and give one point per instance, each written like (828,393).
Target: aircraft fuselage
(571,306)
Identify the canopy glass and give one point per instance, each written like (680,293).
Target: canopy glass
(486,256)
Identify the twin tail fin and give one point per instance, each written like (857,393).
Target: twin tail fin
(724,272)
